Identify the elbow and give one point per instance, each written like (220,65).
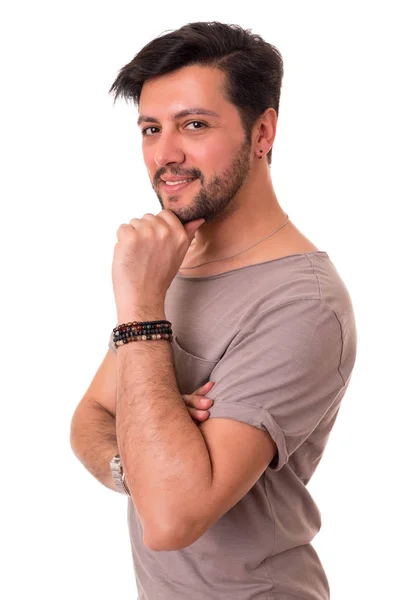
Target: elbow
(171,538)
(74,434)
(161,541)
(159,544)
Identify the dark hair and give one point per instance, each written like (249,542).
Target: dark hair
(253,67)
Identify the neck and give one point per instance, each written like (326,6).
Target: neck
(251,215)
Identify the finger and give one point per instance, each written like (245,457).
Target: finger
(205,388)
(187,399)
(200,415)
(201,402)
(197,401)
(191,227)
(159,224)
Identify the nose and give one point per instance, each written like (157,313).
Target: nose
(168,150)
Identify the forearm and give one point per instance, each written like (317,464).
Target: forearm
(162,449)
(94,441)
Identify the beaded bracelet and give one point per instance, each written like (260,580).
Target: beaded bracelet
(137,331)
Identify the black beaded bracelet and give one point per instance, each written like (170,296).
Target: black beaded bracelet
(136,331)
(140,323)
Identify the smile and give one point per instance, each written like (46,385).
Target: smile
(175,186)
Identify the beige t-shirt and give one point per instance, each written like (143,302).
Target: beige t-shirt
(279,340)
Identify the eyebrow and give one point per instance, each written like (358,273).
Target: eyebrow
(182,113)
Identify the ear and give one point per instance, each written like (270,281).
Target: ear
(267,125)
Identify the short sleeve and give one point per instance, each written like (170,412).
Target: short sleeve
(111,343)
(281,373)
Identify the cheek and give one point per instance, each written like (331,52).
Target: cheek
(151,167)
(148,159)
(210,157)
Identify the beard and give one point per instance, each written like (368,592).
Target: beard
(215,199)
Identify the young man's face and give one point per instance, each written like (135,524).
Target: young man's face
(209,149)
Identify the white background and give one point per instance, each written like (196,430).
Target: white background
(72,172)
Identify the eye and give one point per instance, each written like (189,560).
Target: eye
(146,128)
(197,123)
(202,125)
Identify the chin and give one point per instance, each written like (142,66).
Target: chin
(182,219)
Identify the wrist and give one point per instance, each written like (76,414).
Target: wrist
(141,313)
(125,484)
(118,475)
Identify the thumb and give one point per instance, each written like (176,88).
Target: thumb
(192,227)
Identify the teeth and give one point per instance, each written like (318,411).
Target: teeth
(177,182)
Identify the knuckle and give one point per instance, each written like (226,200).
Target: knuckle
(163,233)
(183,241)
(122,228)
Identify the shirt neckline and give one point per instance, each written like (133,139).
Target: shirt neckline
(289,256)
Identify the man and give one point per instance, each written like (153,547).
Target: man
(219,508)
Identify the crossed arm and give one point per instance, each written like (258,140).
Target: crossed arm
(183,477)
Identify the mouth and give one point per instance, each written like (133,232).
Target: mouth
(176,186)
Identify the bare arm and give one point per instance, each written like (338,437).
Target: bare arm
(166,459)
(94,441)
(93,436)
